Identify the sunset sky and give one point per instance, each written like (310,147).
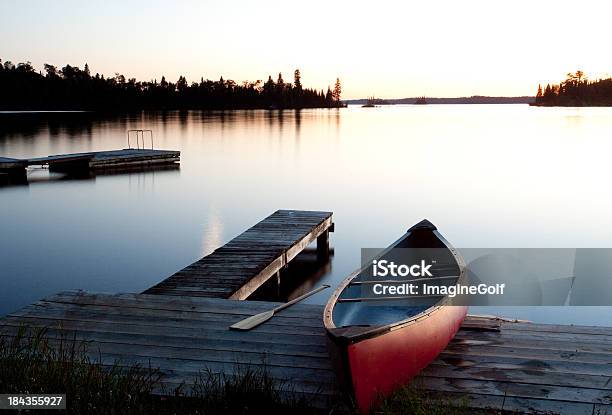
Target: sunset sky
(382,48)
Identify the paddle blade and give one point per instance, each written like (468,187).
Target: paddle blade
(253,321)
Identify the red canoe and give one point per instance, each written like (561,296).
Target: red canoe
(378,344)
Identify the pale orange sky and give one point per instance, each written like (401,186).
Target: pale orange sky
(382,48)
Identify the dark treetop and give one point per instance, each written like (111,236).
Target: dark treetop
(576,91)
(71,88)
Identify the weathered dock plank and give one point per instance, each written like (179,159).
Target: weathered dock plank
(507,365)
(239,267)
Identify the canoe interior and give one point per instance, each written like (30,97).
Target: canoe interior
(351,309)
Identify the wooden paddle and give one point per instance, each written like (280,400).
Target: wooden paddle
(256,320)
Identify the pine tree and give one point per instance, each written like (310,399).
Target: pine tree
(297,80)
(329,96)
(337,91)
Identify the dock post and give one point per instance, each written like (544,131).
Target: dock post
(323,246)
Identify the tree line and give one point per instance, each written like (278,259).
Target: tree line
(72,88)
(576,90)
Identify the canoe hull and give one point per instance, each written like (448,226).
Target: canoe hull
(377,349)
(376,366)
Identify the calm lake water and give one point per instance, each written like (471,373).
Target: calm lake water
(487,176)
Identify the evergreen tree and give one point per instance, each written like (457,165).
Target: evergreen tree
(329,97)
(181,84)
(297,80)
(337,91)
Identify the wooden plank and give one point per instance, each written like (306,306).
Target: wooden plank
(519,390)
(558,328)
(545,406)
(504,362)
(60,158)
(272,329)
(556,350)
(517,374)
(168,317)
(163,302)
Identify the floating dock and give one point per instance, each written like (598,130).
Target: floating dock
(99,160)
(111,159)
(239,267)
(8,164)
(182,329)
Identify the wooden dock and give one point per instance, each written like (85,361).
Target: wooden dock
(523,367)
(8,164)
(95,160)
(526,367)
(184,336)
(108,159)
(239,267)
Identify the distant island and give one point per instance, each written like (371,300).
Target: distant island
(70,88)
(476,99)
(372,102)
(576,91)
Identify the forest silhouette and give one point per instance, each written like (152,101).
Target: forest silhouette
(72,88)
(576,91)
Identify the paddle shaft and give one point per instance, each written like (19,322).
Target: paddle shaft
(300,298)
(254,321)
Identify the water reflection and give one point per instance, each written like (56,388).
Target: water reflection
(487,176)
(44,175)
(212,233)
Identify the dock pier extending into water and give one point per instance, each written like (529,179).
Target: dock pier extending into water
(239,267)
(111,159)
(181,327)
(98,160)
